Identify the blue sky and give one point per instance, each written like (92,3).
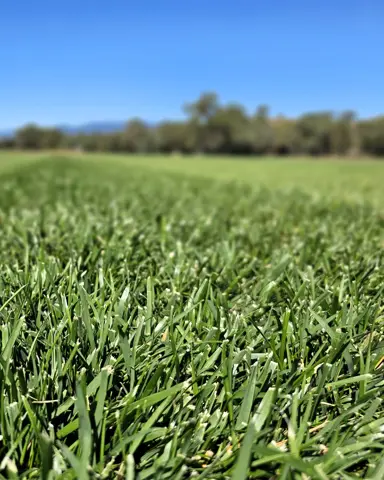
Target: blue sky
(73,61)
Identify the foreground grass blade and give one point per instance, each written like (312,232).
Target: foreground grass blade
(242,465)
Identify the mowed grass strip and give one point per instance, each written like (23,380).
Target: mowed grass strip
(161,326)
(356,180)
(352,180)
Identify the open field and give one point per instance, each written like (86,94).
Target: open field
(175,318)
(356,180)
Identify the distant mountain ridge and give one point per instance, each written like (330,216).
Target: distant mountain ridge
(86,128)
(93,127)
(6,133)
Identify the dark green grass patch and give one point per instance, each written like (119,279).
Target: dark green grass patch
(156,326)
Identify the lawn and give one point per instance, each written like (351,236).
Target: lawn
(355,180)
(176,318)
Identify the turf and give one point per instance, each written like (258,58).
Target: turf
(162,325)
(357,180)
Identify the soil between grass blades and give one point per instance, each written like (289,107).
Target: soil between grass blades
(161,326)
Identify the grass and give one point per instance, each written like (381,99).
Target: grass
(352,180)
(356,180)
(163,325)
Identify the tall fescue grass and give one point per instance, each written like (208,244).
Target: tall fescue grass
(159,326)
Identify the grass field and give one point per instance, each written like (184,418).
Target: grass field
(180,318)
(359,180)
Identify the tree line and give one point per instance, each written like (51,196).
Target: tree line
(214,128)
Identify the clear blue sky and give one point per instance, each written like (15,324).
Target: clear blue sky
(73,61)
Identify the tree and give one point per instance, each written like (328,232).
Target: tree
(344,139)
(314,131)
(174,137)
(285,136)
(200,112)
(136,137)
(262,137)
(229,130)
(203,108)
(29,137)
(7,142)
(372,136)
(212,128)
(51,138)
(32,136)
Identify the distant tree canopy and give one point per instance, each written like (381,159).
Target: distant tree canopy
(214,128)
